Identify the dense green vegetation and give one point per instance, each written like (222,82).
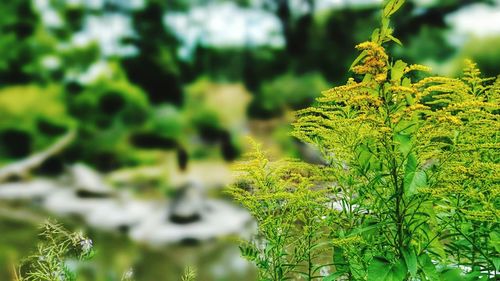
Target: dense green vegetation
(409,188)
(410,191)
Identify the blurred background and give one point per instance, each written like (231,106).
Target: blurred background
(148,102)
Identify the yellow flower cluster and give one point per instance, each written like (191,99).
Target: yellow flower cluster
(480,215)
(443,190)
(339,93)
(342,242)
(450,119)
(403,89)
(366,101)
(435,80)
(417,67)
(374,62)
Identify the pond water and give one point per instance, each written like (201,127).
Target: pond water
(116,254)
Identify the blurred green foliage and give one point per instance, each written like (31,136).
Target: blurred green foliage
(484,53)
(288,91)
(131,113)
(32,117)
(17,25)
(153,99)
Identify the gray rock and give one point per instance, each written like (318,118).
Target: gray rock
(26,190)
(88,182)
(219,219)
(122,214)
(188,204)
(67,202)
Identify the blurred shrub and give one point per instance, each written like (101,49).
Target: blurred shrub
(233,64)
(105,103)
(17,24)
(32,117)
(429,44)
(108,111)
(287,92)
(217,112)
(221,104)
(156,67)
(168,121)
(201,116)
(484,52)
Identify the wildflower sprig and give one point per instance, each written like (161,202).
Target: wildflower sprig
(56,247)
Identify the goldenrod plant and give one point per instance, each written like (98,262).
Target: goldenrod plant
(410,191)
(282,198)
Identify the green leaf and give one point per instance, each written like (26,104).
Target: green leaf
(451,275)
(411,261)
(368,77)
(428,267)
(406,82)
(381,269)
(376,36)
(405,143)
(496,263)
(357,269)
(390,36)
(370,227)
(495,240)
(397,70)
(249,252)
(339,260)
(473,275)
(360,57)
(413,178)
(385,27)
(392,6)
(365,157)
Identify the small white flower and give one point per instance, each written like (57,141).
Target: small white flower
(86,245)
(128,274)
(324,271)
